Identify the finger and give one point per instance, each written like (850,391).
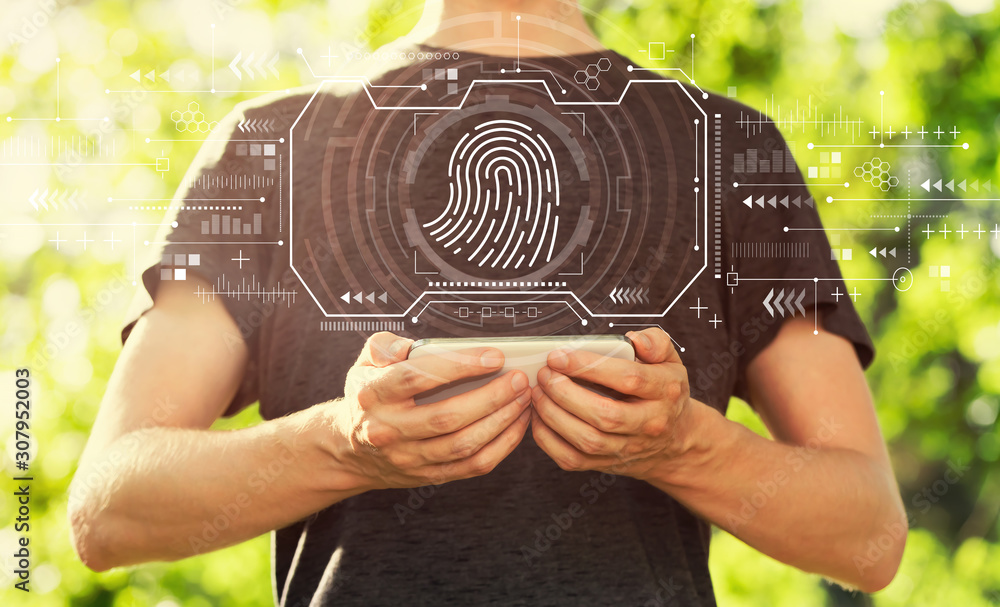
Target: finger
(625,376)
(470,440)
(455,413)
(601,412)
(565,455)
(487,458)
(411,377)
(653,346)
(383,349)
(585,438)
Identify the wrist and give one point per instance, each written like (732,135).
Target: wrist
(328,439)
(699,436)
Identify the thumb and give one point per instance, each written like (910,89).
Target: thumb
(653,346)
(383,349)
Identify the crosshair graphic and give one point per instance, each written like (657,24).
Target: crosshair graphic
(502,166)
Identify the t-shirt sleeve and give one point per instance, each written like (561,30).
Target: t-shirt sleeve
(780,262)
(225,208)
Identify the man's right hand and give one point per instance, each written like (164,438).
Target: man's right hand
(390,442)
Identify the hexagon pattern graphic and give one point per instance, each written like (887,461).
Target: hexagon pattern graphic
(192,120)
(588,76)
(876,172)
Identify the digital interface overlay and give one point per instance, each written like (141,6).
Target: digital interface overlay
(505,195)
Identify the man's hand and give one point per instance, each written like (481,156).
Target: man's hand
(392,442)
(583,430)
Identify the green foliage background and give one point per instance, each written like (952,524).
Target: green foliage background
(936,379)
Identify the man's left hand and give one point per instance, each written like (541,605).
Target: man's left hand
(583,430)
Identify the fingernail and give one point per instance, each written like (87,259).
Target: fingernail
(398,346)
(646,343)
(519,382)
(559,359)
(524,398)
(543,375)
(491,358)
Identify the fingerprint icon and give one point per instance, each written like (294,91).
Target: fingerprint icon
(503,204)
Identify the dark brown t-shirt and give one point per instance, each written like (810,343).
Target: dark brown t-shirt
(573,196)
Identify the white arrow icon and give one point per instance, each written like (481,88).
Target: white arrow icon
(767,303)
(232,65)
(798,302)
(246,66)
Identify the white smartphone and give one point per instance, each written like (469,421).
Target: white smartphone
(527,354)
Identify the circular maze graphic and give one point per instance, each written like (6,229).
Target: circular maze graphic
(503,205)
(497,190)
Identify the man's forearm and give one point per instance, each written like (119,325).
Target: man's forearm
(812,506)
(168,493)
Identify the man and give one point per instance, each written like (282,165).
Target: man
(550,494)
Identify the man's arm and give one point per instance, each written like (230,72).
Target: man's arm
(815,497)
(826,483)
(155,484)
